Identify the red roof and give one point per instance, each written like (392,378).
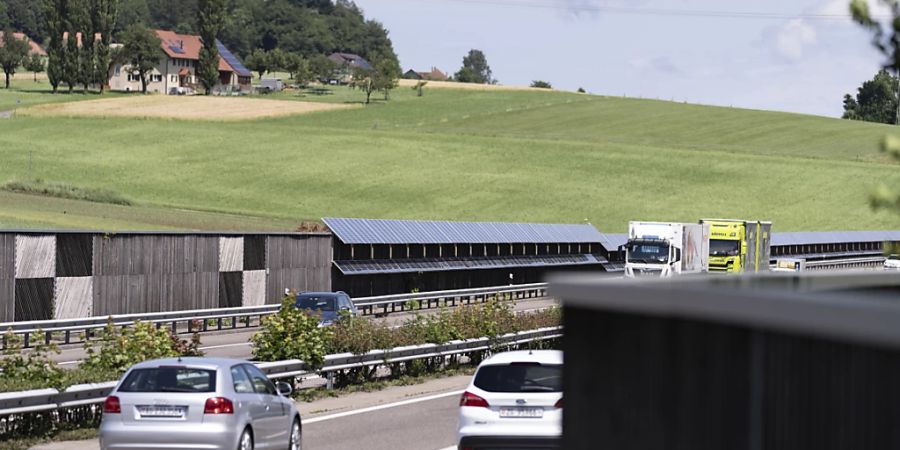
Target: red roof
(185,46)
(35,48)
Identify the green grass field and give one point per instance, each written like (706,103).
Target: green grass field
(454,155)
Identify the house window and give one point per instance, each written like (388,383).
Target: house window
(133,77)
(118,69)
(156,78)
(174,78)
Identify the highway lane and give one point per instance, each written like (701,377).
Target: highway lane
(428,423)
(236,343)
(415,417)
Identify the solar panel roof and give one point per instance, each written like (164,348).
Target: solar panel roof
(232,60)
(833,237)
(362,267)
(380,231)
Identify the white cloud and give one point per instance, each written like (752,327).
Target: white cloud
(659,64)
(793,38)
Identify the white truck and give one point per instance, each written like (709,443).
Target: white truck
(662,249)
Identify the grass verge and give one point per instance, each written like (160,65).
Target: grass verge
(38,186)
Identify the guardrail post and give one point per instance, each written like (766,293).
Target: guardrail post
(67,336)
(48,335)
(329,380)
(219,323)
(26,340)
(190,326)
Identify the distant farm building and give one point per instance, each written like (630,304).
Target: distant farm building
(34,48)
(434,75)
(346,63)
(177,72)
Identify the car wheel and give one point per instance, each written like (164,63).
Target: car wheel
(296,437)
(246,442)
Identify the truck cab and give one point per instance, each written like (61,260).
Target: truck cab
(661,249)
(737,246)
(650,257)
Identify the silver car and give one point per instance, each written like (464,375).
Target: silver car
(199,403)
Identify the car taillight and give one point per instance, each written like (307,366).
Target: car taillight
(558,404)
(112,405)
(218,405)
(470,399)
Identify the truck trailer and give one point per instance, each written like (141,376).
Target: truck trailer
(663,249)
(739,246)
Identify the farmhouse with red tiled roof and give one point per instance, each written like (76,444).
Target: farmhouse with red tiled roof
(34,47)
(177,72)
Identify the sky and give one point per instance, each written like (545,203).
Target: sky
(785,55)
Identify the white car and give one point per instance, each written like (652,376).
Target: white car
(513,401)
(892,262)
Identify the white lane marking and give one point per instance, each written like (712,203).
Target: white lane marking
(380,407)
(452,447)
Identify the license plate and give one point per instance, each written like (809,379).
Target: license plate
(522,412)
(161,411)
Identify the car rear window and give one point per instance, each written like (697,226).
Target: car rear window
(170,379)
(523,377)
(320,303)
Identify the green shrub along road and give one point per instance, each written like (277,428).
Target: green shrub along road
(453,155)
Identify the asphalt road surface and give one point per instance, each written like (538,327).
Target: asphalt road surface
(417,417)
(236,344)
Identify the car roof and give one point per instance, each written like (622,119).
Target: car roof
(318,294)
(538,356)
(190,361)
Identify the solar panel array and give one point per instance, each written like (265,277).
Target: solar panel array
(833,237)
(232,60)
(379,231)
(176,49)
(360,267)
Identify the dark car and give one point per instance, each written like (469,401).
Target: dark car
(327,304)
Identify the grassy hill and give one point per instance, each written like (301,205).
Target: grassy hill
(451,154)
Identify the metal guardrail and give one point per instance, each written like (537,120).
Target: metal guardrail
(88,394)
(847,263)
(250,316)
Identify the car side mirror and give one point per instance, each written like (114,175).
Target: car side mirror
(284,389)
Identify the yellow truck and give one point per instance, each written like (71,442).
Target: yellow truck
(739,246)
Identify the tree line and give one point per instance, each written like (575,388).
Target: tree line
(305,27)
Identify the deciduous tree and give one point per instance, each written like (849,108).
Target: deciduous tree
(142,52)
(12,53)
(34,64)
(876,100)
(887,40)
(475,69)
(257,62)
(541,84)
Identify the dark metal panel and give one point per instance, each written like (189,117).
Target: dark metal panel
(7,276)
(231,289)
(34,299)
(647,383)
(356,267)
(255,252)
(74,255)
